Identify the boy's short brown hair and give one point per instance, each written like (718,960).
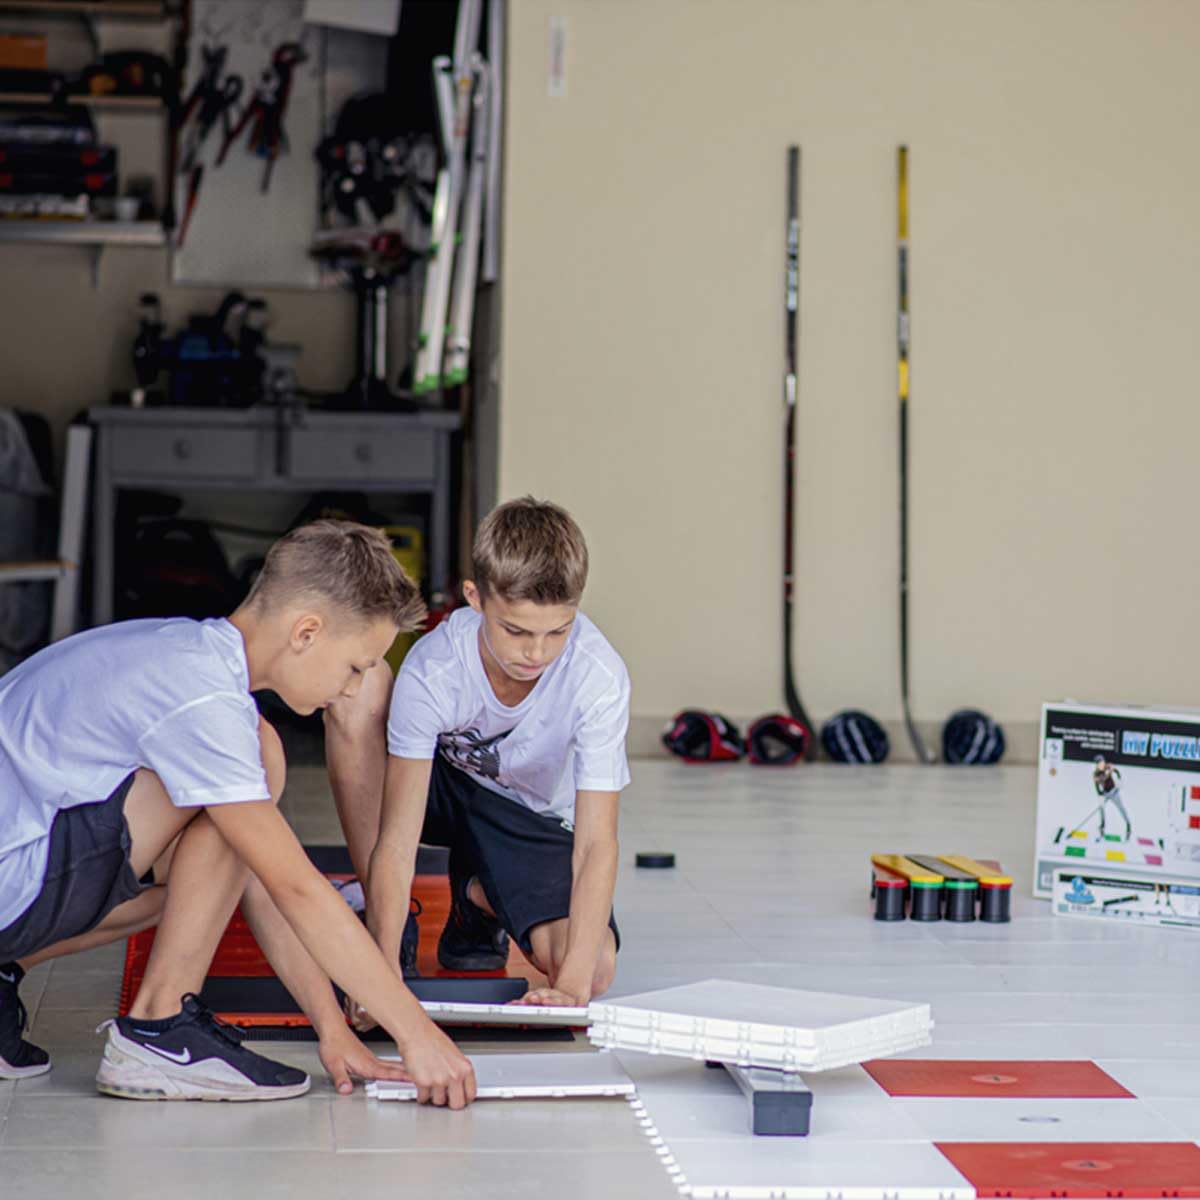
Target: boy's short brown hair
(348,566)
(530,549)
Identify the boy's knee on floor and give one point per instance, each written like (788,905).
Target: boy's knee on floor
(606,970)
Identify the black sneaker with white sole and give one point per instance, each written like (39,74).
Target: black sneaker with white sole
(471,940)
(191,1056)
(19,1059)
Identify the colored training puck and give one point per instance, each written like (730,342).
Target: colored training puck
(656,860)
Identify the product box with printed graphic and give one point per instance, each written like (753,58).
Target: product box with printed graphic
(1159,901)
(1118,794)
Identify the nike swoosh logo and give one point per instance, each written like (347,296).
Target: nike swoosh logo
(8,978)
(183,1059)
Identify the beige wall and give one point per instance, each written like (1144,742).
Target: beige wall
(1055,272)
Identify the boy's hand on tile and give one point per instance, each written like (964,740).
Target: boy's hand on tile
(552,997)
(345,1059)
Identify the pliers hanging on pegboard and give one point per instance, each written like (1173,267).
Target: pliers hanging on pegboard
(212,99)
(267,136)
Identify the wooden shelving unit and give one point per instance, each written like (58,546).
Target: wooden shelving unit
(132,104)
(151,10)
(82,233)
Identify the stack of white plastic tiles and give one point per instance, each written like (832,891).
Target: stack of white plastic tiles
(752,1025)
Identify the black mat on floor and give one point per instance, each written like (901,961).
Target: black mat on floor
(230,995)
(456,1033)
(266,994)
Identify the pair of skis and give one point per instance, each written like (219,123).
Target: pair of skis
(791,309)
(467,91)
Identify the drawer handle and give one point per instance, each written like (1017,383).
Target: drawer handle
(362,452)
(182,449)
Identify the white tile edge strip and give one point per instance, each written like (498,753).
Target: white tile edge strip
(608,1038)
(533,1092)
(447,1012)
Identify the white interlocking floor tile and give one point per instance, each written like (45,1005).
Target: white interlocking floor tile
(1014,1008)
(1149,1080)
(806,1169)
(891,982)
(1016,1120)
(1067,952)
(716,1109)
(1145,981)
(1147,1042)
(1182,1114)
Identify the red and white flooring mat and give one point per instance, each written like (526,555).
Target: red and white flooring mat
(920,1129)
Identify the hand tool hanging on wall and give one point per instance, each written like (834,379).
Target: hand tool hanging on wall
(923,753)
(212,99)
(790,388)
(195,178)
(268,139)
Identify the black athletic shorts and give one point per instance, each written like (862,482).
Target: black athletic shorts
(88,874)
(522,858)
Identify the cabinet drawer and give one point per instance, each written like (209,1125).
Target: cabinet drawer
(185,452)
(362,453)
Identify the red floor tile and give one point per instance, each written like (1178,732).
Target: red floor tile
(952,1078)
(1077,1170)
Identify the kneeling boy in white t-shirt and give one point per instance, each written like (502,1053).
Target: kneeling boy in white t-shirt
(505,739)
(157,716)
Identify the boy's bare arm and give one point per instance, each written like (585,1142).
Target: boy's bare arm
(594,879)
(342,948)
(342,1054)
(394,858)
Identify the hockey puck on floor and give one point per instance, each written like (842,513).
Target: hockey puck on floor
(657,859)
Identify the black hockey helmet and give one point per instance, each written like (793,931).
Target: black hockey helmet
(697,737)
(970,737)
(854,737)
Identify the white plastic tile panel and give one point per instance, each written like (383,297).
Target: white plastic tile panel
(517,1076)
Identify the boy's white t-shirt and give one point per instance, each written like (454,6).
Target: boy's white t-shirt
(78,717)
(567,735)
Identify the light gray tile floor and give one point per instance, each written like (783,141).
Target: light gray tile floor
(770,887)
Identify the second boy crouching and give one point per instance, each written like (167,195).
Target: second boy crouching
(505,741)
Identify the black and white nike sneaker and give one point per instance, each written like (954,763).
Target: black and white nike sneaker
(19,1059)
(191,1056)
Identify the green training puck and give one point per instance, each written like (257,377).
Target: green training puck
(656,860)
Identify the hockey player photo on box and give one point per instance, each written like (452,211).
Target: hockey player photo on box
(1118,790)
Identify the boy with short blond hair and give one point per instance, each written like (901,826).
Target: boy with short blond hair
(157,716)
(505,739)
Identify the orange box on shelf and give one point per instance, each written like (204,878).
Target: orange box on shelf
(23,51)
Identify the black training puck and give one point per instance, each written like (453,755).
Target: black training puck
(656,860)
